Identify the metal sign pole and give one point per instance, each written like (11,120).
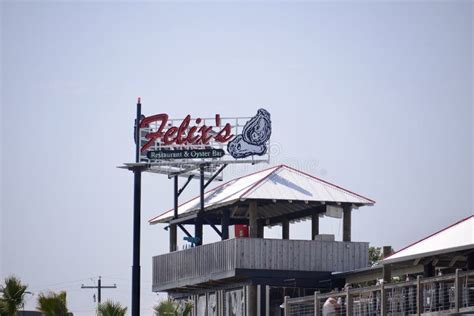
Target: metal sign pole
(199,221)
(137,173)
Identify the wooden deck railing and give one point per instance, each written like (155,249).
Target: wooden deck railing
(222,259)
(430,296)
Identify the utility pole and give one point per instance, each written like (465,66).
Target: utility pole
(99,288)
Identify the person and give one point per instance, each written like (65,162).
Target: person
(330,307)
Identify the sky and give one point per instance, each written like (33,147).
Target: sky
(373,96)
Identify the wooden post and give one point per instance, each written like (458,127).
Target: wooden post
(348,302)
(285,229)
(253,229)
(387,268)
(173,238)
(194,299)
(267,300)
(346,222)
(383,300)
(259,300)
(470,261)
(387,273)
(317,307)
(314,225)
(220,302)
(262,300)
(286,310)
(428,270)
(419,299)
(198,231)
(457,292)
(260,229)
(252,300)
(225,219)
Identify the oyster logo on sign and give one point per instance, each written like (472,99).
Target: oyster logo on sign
(254,137)
(224,139)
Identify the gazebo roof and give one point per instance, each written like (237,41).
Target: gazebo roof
(279,186)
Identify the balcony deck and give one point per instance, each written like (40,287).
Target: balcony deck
(242,257)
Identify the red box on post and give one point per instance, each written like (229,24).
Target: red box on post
(241,231)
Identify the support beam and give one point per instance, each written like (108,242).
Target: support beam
(187,170)
(346,222)
(185,231)
(225,219)
(285,229)
(314,225)
(215,175)
(454,260)
(297,215)
(213,226)
(218,232)
(253,230)
(185,185)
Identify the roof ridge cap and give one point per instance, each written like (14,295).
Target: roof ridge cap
(261,180)
(329,183)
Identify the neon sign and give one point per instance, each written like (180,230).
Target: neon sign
(184,134)
(162,138)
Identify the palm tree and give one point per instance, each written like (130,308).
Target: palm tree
(110,308)
(13,296)
(172,308)
(52,304)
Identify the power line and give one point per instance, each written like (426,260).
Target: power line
(99,288)
(58,284)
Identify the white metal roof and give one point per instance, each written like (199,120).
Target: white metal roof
(456,237)
(276,183)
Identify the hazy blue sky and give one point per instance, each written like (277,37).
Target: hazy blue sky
(374,96)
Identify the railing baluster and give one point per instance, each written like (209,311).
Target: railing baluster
(317,307)
(419,299)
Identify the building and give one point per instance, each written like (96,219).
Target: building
(433,276)
(442,252)
(252,276)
